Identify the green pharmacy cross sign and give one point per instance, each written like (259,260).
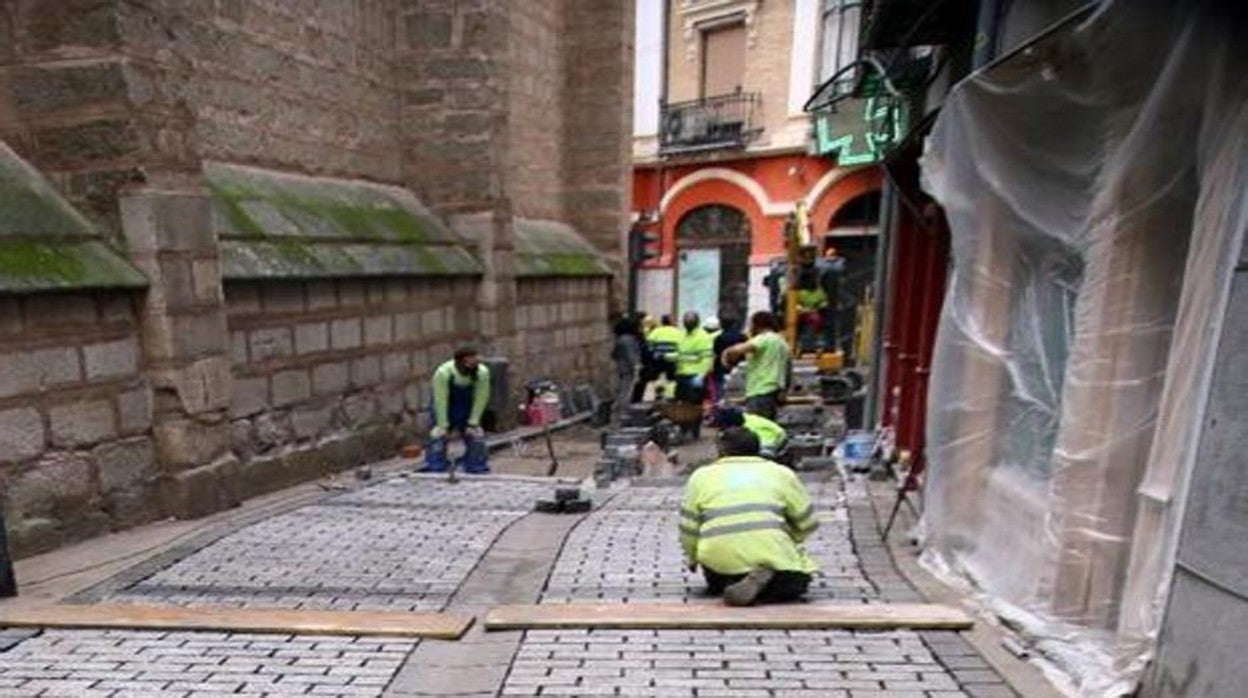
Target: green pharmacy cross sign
(860,130)
(860,114)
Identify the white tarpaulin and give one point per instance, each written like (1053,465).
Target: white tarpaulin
(1096,185)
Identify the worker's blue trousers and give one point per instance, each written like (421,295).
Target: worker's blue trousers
(476,457)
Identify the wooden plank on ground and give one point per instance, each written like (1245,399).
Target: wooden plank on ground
(269,620)
(659,615)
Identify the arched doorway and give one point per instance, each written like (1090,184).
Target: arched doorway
(853,231)
(713,271)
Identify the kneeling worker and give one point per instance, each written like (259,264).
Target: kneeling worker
(461,390)
(772,438)
(743,520)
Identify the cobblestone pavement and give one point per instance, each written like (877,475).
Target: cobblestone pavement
(629,551)
(120,664)
(400,545)
(411,544)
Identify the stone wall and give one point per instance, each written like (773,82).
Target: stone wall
(332,373)
(562,332)
(76,454)
(100,95)
(243,383)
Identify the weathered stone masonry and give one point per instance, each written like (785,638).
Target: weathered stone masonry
(182,333)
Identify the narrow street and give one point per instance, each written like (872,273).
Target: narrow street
(411,542)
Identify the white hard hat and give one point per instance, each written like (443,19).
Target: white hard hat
(711,324)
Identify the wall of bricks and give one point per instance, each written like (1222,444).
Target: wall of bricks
(562,332)
(76,454)
(332,373)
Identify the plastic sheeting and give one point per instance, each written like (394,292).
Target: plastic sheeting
(1095,185)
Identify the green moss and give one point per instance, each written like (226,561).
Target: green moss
(28,260)
(27,265)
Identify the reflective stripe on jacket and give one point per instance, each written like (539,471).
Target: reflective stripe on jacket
(694,356)
(742,513)
(770,434)
(663,341)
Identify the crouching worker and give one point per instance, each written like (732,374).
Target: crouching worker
(743,521)
(461,390)
(772,438)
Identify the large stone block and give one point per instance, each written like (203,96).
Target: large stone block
(238,347)
(32,536)
(38,369)
(111,359)
(185,336)
(249,396)
(283,297)
(55,480)
(311,338)
(366,372)
(312,421)
(345,333)
(396,366)
(270,342)
(290,387)
(242,297)
(52,309)
(82,423)
(206,280)
(134,411)
(201,491)
(123,464)
(131,507)
(378,330)
(322,295)
(188,443)
(167,221)
(203,386)
(406,327)
(330,379)
(432,323)
(21,434)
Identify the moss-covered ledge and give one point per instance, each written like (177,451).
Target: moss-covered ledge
(276,225)
(46,245)
(550,248)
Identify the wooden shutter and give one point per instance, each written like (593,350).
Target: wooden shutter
(723,60)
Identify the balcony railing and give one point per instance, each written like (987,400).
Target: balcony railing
(724,121)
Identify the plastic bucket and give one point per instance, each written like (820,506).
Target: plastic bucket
(857,448)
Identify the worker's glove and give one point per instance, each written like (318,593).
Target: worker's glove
(437,432)
(475,432)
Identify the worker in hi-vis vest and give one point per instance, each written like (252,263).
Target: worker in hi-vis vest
(461,390)
(766,357)
(772,438)
(743,520)
(694,359)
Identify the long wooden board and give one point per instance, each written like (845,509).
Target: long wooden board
(658,615)
(269,620)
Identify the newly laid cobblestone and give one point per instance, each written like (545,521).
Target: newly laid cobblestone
(726,663)
(400,545)
(630,550)
(123,663)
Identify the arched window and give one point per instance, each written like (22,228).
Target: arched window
(714,262)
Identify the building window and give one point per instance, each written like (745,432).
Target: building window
(723,60)
(839,40)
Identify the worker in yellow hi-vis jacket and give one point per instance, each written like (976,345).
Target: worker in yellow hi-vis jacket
(743,520)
